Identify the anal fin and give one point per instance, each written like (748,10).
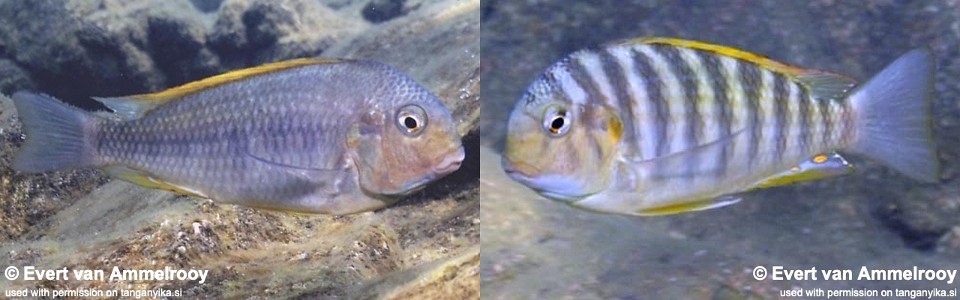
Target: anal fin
(690,206)
(145,179)
(818,167)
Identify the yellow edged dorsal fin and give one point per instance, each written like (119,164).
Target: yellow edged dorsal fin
(203,84)
(135,106)
(825,85)
(760,60)
(821,84)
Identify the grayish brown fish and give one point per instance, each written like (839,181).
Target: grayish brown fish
(656,126)
(308,135)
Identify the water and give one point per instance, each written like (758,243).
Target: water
(534,248)
(425,246)
(464,237)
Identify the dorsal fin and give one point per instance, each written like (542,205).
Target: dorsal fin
(135,106)
(825,85)
(760,60)
(821,84)
(235,75)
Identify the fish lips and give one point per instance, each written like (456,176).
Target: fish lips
(551,186)
(449,163)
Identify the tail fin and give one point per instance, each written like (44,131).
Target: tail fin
(893,123)
(58,135)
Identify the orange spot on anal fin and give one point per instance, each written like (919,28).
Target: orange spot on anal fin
(820,159)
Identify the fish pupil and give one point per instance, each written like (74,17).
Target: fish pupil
(556,124)
(410,123)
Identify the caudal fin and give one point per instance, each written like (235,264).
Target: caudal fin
(892,117)
(57,134)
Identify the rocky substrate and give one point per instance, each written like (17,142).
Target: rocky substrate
(426,246)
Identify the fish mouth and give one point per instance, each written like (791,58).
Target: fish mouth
(519,170)
(547,186)
(450,162)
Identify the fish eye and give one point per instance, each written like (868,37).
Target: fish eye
(411,120)
(556,121)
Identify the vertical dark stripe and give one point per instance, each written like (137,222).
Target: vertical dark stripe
(718,83)
(682,70)
(827,122)
(751,82)
(781,100)
(595,145)
(805,114)
(846,119)
(616,74)
(654,87)
(688,83)
(580,75)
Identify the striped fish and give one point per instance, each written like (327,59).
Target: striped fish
(658,125)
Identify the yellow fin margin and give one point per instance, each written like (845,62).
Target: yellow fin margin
(144,179)
(819,167)
(689,206)
(209,82)
(822,84)
(760,60)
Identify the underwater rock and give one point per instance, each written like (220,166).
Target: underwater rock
(81,48)
(13,77)
(207,5)
(178,51)
(378,11)
(251,32)
(921,217)
(28,200)
(424,246)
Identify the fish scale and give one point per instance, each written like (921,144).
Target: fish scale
(694,123)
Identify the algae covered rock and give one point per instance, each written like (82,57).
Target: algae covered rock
(254,32)
(75,49)
(425,246)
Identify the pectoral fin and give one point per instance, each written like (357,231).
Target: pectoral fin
(145,179)
(697,161)
(690,206)
(816,168)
